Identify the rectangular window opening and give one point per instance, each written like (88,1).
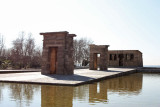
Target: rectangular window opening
(115,57)
(110,57)
(126,57)
(131,56)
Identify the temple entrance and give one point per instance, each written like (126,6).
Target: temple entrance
(98,57)
(121,59)
(95,61)
(53,60)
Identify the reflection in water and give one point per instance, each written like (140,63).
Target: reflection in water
(63,96)
(23,91)
(57,96)
(19,92)
(128,84)
(97,92)
(1,93)
(81,92)
(124,85)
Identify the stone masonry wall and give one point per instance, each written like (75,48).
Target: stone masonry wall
(103,51)
(131,58)
(63,41)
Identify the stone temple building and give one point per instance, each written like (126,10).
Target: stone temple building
(125,58)
(57,56)
(101,58)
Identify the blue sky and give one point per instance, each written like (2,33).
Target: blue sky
(122,24)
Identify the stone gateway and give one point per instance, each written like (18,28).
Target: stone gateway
(57,56)
(98,57)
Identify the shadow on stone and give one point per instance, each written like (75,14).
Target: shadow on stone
(113,71)
(70,77)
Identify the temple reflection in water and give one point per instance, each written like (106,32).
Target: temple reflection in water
(57,96)
(97,92)
(126,84)
(64,95)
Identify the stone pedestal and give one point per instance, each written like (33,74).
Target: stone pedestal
(57,56)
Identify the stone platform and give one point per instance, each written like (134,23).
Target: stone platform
(19,71)
(81,76)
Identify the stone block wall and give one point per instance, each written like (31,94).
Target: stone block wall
(63,42)
(130,58)
(103,51)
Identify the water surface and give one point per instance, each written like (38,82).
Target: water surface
(141,90)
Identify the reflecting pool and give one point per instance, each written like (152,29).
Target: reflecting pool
(139,89)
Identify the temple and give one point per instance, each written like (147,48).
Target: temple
(57,56)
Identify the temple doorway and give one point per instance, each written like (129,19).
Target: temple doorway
(97,61)
(53,60)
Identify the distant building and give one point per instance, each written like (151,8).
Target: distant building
(125,58)
(101,58)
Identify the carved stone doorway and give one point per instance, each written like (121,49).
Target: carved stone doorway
(95,61)
(53,60)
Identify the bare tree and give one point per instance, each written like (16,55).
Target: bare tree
(81,50)
(17,51)
(29,47)
(2,47)
(24,53)
(37,58)
(2,52)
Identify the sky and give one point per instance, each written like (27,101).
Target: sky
(122,24)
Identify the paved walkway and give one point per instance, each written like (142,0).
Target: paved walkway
(81,76)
